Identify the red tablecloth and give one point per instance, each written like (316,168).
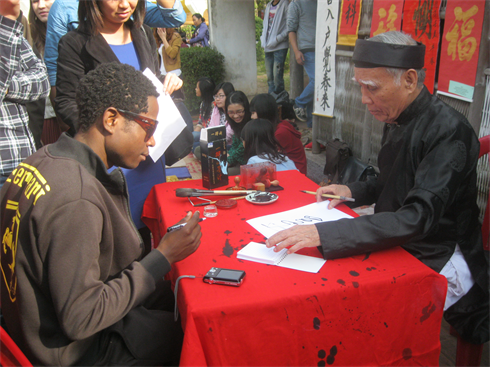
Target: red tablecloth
(383,308)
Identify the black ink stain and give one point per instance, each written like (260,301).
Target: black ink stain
(427,311)
(316,323)
(367,256)
(340,281)
(407,354)
(355,284)
(227,249)
(333,353)
(354,273)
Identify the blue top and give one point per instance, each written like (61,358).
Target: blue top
(202,35)
(127,54)
(284,166)
(63,17)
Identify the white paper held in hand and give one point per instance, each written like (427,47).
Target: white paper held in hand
(170,121)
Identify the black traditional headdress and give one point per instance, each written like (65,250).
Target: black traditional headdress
(370,54)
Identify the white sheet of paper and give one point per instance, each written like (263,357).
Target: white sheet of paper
(309,264)
(258,252)
(269,225)
(170,121)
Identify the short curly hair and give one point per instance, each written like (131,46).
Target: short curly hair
(112,85)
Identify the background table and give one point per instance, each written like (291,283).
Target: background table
(382,308)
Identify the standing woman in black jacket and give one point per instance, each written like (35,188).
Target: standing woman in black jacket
(111,31)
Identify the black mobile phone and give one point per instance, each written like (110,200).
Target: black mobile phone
(224,276)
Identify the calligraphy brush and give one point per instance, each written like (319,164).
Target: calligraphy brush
(183,193)
(330,196)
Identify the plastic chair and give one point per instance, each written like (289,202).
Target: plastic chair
(468,354)
(10,354)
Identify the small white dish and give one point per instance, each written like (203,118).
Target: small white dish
(262,198)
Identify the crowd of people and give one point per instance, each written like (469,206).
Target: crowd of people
(80,283)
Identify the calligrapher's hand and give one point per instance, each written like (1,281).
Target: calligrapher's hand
(179,244)
(162,32)
(295,238)
(300,58)
(340,190)
(171,83)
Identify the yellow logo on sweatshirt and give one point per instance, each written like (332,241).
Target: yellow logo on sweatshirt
(9,250)
(28,176)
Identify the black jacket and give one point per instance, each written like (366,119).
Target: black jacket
(425,198)
(81,52)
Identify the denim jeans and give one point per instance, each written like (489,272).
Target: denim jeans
(305,100)
(274,66)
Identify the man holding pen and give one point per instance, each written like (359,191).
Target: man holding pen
(426,192)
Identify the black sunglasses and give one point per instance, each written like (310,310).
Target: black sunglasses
(148,124)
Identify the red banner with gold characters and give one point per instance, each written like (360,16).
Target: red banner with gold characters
(460,47)
(350,17)
(421,21)
(387,16)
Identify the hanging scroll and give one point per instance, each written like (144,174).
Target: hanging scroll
(421,21)
(350,17)
(460,48)
(325,46)
(387,16)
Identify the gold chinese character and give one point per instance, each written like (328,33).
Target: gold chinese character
(390,21)
(458,39)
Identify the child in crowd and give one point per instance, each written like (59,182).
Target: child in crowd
(261,145)
(264,106)
(238,115)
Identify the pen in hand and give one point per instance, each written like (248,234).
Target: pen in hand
(179,226)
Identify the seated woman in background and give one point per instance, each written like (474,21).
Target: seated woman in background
(204,89)
(201,34)
(218,116)
(238,114)
(264,106)
(261,145)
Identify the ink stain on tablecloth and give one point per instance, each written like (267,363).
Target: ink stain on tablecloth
(427,311)
(330,358)
(227,249)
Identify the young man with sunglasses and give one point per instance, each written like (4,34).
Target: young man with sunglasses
(77,287)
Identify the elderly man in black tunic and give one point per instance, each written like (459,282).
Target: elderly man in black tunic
(426,191)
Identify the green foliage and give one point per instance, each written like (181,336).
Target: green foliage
(259,51)
(260,5)
(198,62)
(188,29)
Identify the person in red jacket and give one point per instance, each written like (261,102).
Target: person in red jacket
(264,106)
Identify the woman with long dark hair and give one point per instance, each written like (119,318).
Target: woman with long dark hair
(238,115)
(218,116)
(264,106)
(205,90)
(261,145)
